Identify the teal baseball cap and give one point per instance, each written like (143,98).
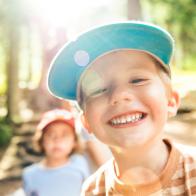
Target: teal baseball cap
(77,55)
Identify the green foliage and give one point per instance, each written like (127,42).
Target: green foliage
(189,64)
(2,85)
(180,18)
(5,132)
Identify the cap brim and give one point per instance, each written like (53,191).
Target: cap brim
(76,56)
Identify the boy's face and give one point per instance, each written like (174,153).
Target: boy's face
(58,140)
(125,101)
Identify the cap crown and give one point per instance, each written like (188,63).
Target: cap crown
(74,58)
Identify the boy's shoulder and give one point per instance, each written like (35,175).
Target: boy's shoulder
(186,150)
(185,173)
(96,183)
(187,158)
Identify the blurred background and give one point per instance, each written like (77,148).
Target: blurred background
(32,31)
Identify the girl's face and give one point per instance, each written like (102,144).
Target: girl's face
(58,140)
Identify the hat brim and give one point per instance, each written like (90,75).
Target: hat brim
(74,58)
(44,124)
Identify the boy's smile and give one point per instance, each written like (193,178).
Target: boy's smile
(125,104)
(126,119)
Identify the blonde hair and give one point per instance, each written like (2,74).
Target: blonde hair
(164,75)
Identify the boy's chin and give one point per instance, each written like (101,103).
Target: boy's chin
(133,144)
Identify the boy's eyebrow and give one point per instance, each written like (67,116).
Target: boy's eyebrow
(137,67)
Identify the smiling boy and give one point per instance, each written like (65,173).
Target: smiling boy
(119,74)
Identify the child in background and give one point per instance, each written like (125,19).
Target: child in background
(62,171)
(120,75)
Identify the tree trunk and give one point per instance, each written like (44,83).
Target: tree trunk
(12,73)
(42,100)
(134,10)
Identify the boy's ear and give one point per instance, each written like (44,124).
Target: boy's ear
(85,123)
(173,103)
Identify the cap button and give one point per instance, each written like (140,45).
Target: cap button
(81,58)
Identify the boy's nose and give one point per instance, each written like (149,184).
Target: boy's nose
(121,94)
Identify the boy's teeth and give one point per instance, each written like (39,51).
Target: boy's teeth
(123,120)
(126,119)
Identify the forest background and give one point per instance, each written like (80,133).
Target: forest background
(32,31)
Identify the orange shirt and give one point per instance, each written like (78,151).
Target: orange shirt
(178,178)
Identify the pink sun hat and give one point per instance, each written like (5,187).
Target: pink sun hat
(56,115)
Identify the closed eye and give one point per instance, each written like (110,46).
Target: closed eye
(138,81)
(98,92)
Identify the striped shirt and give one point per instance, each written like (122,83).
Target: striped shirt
(178,178)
